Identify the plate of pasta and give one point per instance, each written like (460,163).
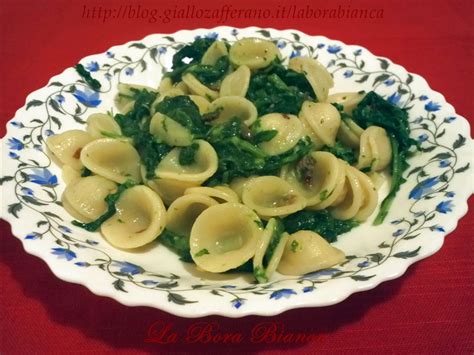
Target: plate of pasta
(234,171)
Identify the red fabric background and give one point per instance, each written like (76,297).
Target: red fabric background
(428,310)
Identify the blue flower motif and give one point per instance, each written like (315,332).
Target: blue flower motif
(394,99)
(13,155)
(432,106)
(43,177)
(348,73)
(64,253)
(450,194)
(295,54)
(82,264)
(363,264)
(64,229)
(422,137)
(398,232)
(325,272)
(87,97)
(150,283)
(15,144)
(129,71)
(281,44)
(358,52)
(59,99)
(444,163)
(320,45)
(237,302)
(162,50)
(333,49)
(389,82)
(48,132)
(197,37)
(27,191)
(212,35)
(109,54)
(418,120)
(449,119)
(234,32)
(17,124)
(445,206)
(284,292)
(423,187)
(437,228)
(129,268)
(33,236)
(308,289)
(423,97)
(92,66)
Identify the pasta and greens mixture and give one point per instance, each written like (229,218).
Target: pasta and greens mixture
(236,162)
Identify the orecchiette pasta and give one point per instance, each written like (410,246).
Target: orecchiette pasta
(307,251)
(349,133)
(217,50)
(323,119)
(229,107)
(100,125)
(169,131)
(112,158)
(202,103)
(182,213)
(318,76)
(236,83)
(197,88)
(67,147)
(262,248)
(375,150)
(69,174)
(140,218)
(204,166)
(289,132)
(271,196)
(255,53)
(86,196)
(348,100)
(219,193)
(224,236)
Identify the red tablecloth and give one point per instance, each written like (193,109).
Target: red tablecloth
(428,310)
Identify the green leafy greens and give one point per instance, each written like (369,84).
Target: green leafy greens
(320,222)
(136,125)
(278,89)
(187,56)
(373,110)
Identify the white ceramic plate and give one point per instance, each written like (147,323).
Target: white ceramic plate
(427,207)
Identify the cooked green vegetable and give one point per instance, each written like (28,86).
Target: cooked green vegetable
(187,56)
(342,152)
(110,200)
(86,172)
(136,125)
(177,243)
(184,111)
(187,155)
(210,74)
(320,222)
(239,157)
(93,83)
(373,110)
(279,89)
